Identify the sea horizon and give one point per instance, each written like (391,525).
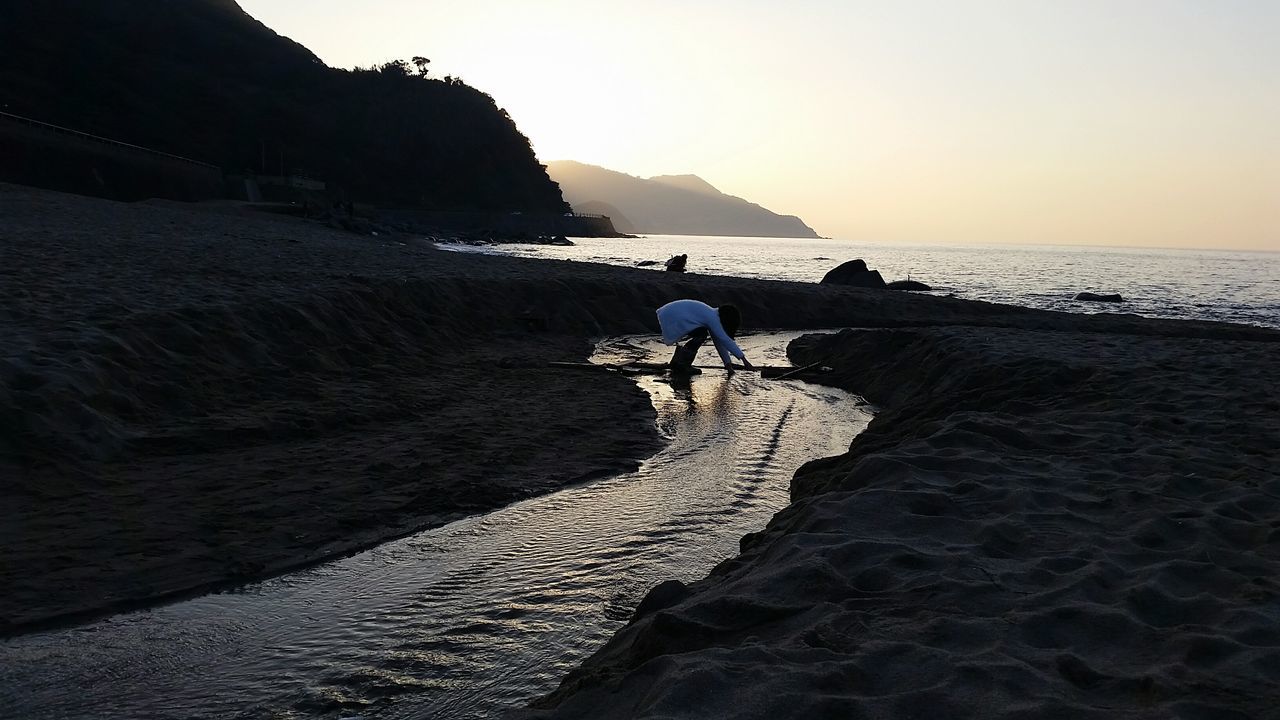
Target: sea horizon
(994,244)
(1240,286)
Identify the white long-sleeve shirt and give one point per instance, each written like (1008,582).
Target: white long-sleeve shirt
(681,317)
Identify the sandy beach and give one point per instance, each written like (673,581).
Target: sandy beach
(195,395)
(1052,515)
(1036,524)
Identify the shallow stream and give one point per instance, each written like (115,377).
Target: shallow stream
(473,618)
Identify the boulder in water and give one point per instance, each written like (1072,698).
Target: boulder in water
(646,263)
(854,273)
(677,263)
(661,597)
(1095,297)
(909,285)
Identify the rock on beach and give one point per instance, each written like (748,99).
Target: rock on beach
(854,273)
(1099,297)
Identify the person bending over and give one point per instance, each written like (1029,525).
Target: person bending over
(696,321)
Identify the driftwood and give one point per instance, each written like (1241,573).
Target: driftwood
(772,372)
(788,372)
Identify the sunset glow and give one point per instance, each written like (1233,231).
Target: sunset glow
(1137,123)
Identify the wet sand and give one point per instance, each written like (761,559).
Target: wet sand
(468,620)
(1047,525)
(197,396)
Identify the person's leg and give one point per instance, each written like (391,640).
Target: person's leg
(682,359)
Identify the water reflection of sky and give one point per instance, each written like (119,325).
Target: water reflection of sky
(1202,284)
(698,400)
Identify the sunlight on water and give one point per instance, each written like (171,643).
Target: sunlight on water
(1239,287)
(469,619)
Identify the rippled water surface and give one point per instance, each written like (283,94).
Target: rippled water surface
(471,618)
(1201,284)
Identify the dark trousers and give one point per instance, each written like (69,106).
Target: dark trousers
(682,359)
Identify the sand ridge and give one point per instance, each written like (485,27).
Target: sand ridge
(1036,524)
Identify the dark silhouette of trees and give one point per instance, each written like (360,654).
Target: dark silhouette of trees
(397,68)
(202,79)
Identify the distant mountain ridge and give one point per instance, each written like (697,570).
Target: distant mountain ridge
(668,204)
(692,183)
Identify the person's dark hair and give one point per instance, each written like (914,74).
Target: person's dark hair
(730,318)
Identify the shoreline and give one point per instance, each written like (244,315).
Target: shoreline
(200,397)
(1221,286)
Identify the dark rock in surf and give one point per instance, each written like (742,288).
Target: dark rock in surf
(661,597)
(908,285)
(854,273)
(646,263)
(1095,297)
(677,263)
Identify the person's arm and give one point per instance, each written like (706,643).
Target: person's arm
(726,346)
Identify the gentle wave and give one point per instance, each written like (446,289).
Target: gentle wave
(1241,287)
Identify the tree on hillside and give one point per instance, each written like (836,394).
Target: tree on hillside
(394,68)
(198,80)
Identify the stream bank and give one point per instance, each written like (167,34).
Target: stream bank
(1036,524)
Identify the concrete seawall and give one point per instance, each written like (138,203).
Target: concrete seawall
(501,223)
(50,157)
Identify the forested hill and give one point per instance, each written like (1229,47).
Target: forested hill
(203,79)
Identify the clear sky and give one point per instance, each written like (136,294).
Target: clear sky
(1099,122)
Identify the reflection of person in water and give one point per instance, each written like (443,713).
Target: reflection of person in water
(677,263)
(696,321)
(713,403)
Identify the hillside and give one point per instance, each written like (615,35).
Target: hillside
(203,79)
(669,204)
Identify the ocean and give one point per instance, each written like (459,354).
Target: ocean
(1231,286)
